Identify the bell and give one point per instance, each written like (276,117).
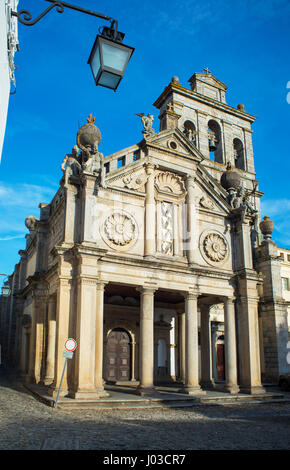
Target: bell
(212,146)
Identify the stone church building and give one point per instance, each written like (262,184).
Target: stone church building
(155,260)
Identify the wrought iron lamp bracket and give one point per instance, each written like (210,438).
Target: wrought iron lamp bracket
(25,16)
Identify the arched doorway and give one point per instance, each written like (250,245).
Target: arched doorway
(118,356)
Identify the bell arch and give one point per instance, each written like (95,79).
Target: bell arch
(189,130)
(239,154)
(215,141)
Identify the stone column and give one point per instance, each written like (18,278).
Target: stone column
(50,351)
(230,347)
(181,346)
(146,354)
(205,344)
(150,216)
(99,340)
(191,385)
(191,219)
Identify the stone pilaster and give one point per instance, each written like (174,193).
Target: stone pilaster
(150,216)
(36,351)
(63,308)
(99,340)
(191,221)
(248,333)
(273,313)
(50,349)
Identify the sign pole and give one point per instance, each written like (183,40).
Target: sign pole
(70,345)
(61,382)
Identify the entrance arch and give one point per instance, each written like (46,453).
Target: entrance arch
(118,356)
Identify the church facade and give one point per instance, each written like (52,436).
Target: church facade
(140,252)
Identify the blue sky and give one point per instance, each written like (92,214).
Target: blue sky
(245,44)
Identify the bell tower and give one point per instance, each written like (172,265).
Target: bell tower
(220,132)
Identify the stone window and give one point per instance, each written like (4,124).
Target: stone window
(285,283)
(121,162)
(107,167)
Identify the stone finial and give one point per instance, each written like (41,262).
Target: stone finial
(267,227)
(241,108)
(175,79)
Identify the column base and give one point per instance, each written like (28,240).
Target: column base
(53,392)
(207,384)
(192,390)
(146,391)
(255,390)
(229,388)
(150,257)
(48,381)
(88,394)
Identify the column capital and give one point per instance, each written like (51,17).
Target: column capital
(149,167)
(229,300)
(190,295)
(101,284)
(147,289)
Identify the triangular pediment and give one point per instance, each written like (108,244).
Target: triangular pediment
(174,141)
(209,79)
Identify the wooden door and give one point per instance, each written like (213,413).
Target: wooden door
(118,356)
(220,363)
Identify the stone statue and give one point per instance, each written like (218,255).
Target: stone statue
(71,165)
(95,164)
(147,122)
(31,222)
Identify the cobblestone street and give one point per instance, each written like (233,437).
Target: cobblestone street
(26,424)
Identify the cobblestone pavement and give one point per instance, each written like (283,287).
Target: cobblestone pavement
(26,423)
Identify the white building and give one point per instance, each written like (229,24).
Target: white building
(8,47)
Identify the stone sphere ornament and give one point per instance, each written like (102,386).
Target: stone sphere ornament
(89,135)
(230,178)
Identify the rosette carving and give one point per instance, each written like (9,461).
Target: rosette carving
(215,247)
(120,229)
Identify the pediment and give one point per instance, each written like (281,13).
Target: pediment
(175,142)
(133,179)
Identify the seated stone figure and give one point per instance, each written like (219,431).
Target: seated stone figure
(71,165)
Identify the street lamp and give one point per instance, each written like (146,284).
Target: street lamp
(109,57)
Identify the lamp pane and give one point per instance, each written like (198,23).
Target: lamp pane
(95,62)
(109,80)
(114,57)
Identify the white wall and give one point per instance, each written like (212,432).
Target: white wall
(8,26)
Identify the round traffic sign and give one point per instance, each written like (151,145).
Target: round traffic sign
(70,344)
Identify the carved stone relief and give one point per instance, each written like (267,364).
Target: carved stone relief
(119,230)
(169,183)
(214,247)
(166,228)
(206,202)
